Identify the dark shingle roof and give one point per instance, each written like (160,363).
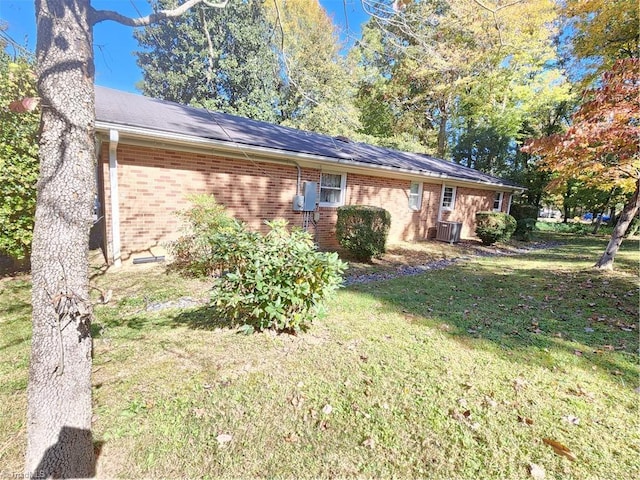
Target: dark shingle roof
(132,110)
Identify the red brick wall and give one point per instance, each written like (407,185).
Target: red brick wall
(154,183)
(468,202)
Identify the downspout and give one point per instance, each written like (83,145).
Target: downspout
(115,206)
(299,177)
(509,204)
(440,205)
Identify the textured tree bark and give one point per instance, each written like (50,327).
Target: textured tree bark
(442,130)
(629,211)
(59,442)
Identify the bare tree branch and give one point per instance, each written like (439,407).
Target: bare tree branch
(98,16)
(501,7)
(494,12)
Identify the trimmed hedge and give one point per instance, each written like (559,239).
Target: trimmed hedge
(362,230)
(492,227)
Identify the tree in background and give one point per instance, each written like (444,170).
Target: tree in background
(221,59)
(18,155)
(468,79)
(601,147)
(601,32)
(278,62)
(317,89)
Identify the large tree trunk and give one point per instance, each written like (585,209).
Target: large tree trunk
(629,211)
(442,131)
(59,442)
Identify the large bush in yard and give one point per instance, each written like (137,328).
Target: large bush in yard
(492,227)
(362,230)
(273,281)
(526,217)
(193,252)
(18,157)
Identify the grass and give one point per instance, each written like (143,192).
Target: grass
(458,373)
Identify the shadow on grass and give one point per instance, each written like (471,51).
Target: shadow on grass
(529,314)
(204,318)
(197,318)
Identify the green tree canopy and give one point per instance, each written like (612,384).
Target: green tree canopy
(222,59)
(467,79)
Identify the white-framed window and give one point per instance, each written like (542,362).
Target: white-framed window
(415,196)
(332,189)
(497,202)
(448,197)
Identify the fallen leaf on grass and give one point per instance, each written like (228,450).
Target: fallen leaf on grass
(519,383)
(369,442)
(525,420)
(199,412)
(581,392)
(291,438)
(489,402)
(571,419)
(297,400)
(537,472)
(224,438)
(560,449)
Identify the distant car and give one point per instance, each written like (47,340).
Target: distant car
(589,216)
(545,213)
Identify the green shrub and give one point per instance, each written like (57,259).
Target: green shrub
(362,230)
(193,252)
(274,281)
(520,212)
(18,158)
(492,227)
(524,229)
(633,227)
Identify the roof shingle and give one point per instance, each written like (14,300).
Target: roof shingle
(128,109)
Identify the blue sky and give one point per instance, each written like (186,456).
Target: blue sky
(115,64)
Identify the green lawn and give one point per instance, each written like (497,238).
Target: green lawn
(457,373)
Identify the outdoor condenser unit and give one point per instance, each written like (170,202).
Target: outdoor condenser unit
(449,232)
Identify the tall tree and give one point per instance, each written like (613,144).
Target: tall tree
(59,442)
(600,32)
(461,72)
(601,147)
(222,59)
(317,87)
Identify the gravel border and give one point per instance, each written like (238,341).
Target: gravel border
(440,264)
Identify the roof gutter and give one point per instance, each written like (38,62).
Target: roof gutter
(265,153)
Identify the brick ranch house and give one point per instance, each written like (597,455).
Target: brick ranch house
(153,154)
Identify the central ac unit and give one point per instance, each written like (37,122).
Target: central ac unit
(449,232)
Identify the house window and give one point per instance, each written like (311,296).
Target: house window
(497,201)
(415,196)
(448,197)
(332,188)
